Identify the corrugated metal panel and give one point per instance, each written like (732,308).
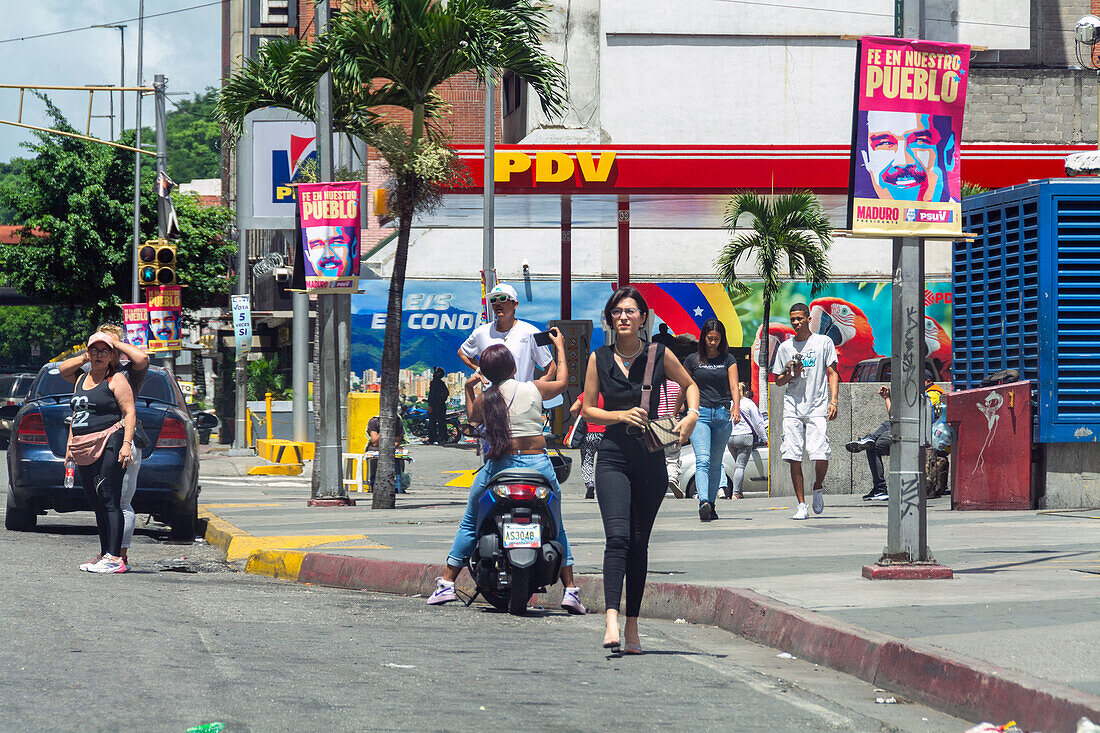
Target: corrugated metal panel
(1075,362)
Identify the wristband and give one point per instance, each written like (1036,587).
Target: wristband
(692,409)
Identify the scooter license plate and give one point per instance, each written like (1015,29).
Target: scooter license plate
(522,535)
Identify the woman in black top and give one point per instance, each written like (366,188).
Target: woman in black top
(714,369)
(630,480)
(103,416)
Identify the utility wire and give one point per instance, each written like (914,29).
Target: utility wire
(116,22)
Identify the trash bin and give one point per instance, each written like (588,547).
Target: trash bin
(991,463)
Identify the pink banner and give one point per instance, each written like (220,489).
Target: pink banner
(330,235)
(135,316)
(906,135)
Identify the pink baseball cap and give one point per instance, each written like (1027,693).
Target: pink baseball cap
(100,338)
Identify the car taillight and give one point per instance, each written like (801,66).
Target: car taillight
(172,434)
(32,429)
(515,491)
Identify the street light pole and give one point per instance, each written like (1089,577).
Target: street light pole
(488,224)
(135,290)
(121,75)
(327,486)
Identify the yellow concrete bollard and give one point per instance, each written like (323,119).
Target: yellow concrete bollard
(267,414)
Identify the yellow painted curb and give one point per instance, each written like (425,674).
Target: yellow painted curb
(464,479)
(276,564)
(239,545)
(277,469)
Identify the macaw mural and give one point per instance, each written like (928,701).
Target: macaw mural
(849,328)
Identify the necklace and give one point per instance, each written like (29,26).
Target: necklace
(627,359)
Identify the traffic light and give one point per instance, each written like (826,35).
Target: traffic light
(157,263)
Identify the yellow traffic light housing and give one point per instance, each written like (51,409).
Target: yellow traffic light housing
(157,263)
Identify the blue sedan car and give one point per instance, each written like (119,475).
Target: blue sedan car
(167,484)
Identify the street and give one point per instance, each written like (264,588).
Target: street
(168,650)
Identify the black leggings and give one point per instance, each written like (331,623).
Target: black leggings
(102,482)
(630,485)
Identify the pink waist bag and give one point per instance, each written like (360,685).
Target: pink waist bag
(87,449)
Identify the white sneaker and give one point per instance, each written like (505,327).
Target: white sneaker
(819,502)
(108,564)
(803,512)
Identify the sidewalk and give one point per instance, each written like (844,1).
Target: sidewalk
(1015,635)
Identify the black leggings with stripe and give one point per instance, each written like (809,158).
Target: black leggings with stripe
(102,482)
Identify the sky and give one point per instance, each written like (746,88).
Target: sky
(184,46)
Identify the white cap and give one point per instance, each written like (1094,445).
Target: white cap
(503,289)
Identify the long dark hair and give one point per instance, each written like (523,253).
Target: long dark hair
(497,365)
(723,346)
(626,291)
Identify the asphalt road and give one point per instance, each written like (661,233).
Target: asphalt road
(160,649)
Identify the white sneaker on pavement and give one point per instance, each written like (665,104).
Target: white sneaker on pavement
(571,601)
(803,512)
(444,593)
(819,501)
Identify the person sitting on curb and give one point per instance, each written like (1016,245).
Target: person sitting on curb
(877,445)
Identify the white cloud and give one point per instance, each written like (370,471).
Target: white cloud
(185,47)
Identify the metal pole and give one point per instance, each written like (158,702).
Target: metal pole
(343,322)
(122,79)
(240,441)
(159,83)
(300,375)
(327,470)
(135,290)
(907,528)
(488,225)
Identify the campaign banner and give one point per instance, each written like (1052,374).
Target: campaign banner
(164,318)
(906,136)
(330,235)
(242,322)
(135,319)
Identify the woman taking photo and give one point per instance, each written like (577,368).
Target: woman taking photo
(714,370)
(101,437)
(510,413)
(630,480)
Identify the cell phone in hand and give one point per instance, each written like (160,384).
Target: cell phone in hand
(542,338)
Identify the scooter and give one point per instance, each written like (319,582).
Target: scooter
(517,553)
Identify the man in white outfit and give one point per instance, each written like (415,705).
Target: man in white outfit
(806,365)
(516,335)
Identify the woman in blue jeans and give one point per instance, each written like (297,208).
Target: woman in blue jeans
(714,370)
(510,413)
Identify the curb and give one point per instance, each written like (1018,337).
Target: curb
(967,688)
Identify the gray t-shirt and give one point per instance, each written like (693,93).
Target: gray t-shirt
(808,394)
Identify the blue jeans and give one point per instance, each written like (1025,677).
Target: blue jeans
(708,440)
(466,537)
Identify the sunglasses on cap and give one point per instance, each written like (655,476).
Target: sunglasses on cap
(501,298)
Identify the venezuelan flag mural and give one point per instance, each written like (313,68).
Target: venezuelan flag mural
(685,307)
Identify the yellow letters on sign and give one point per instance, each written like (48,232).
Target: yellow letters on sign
(553,167)
(598,172)
(509,162)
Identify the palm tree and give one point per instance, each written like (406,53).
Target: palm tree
(789,229)
(396,53)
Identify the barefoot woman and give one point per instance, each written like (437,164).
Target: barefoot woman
(630,480)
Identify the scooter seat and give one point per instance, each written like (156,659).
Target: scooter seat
(519,476)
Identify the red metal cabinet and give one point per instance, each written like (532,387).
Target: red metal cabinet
(991,461)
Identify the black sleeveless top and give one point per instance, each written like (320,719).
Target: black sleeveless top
(621,393)
(95,409)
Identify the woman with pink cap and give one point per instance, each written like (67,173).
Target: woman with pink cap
(101,443)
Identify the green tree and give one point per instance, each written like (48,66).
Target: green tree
(8,171)
(194,139)
(789,232)
(80,194)
(263,377)
(397,53)
(54,329)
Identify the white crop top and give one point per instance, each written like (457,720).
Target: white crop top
(524,407)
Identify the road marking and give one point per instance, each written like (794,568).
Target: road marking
(464,479)
(770,687)
(235,506)
(239,545)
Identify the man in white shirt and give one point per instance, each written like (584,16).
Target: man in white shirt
(806,365)
(518,336)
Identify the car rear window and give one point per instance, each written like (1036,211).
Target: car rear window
(51,384)
(6,384)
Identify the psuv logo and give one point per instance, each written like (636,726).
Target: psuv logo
(287,167)
(809,360)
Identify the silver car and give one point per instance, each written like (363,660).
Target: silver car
(756,472)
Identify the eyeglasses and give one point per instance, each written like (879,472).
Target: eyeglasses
(628,312)
(494,299)
(99,352)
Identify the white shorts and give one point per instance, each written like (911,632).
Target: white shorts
(804,433)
